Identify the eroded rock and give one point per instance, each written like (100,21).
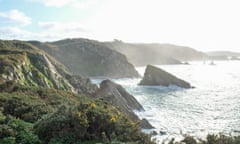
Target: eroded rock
(117,96)
(157,76)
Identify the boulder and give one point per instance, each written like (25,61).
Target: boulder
(117,96)
(157,76)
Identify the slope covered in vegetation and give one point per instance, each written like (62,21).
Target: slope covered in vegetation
(42,115)
(41,102)
(30,66)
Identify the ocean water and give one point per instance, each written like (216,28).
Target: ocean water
(212,107)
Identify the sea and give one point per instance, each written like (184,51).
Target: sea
(212,107)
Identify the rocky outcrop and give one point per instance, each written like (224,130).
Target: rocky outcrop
(116,95)
(29,66)
(24,64)
(119,96)
(89,58)
(82,85)
(157,76)
(30,69)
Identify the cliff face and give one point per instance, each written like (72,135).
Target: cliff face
(89,58)
(29,66)
(141,54)
(117,96)
(157,76)
(25,64)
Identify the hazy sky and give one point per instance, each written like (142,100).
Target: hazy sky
(202,24)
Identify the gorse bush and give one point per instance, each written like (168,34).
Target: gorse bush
(93,120)
(63,117)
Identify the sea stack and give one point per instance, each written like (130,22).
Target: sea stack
(157,76)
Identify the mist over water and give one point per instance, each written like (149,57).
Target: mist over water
(212,107)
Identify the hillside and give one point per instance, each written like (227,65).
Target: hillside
(223,55)
(143,54)
(32,115)
(41,102)
(29,66)
(89,58)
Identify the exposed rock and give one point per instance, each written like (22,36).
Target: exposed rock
(82,85)
(24,64)
(117,96)
(162,132)
(27,65)
(157,76)
(89,58)
(145,124)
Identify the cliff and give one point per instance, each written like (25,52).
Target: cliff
(89,58)
(30,66)
(41,102)
(117,96)
(26,65)
(141,54)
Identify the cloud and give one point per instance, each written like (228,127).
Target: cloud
(15,17)
(62,3)
(53,3)
(59,30)
(63,27)
(14,33)
(11,33)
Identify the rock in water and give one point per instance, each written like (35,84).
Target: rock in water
(117,96)
(157,76)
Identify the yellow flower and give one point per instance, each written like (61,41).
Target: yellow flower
(93,105)
(132,123)
(84,122)
(113,119)
(79,114)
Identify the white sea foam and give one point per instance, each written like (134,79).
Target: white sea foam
(212,107)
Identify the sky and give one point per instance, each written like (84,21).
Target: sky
(205,25)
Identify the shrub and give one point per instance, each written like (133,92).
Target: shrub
(8,140)
(26,110)
(16,131)
(91,120)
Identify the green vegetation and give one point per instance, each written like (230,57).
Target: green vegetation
(29,66)
(42,115)
(37,107)
(31,103)
(16,131)
(92,120)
